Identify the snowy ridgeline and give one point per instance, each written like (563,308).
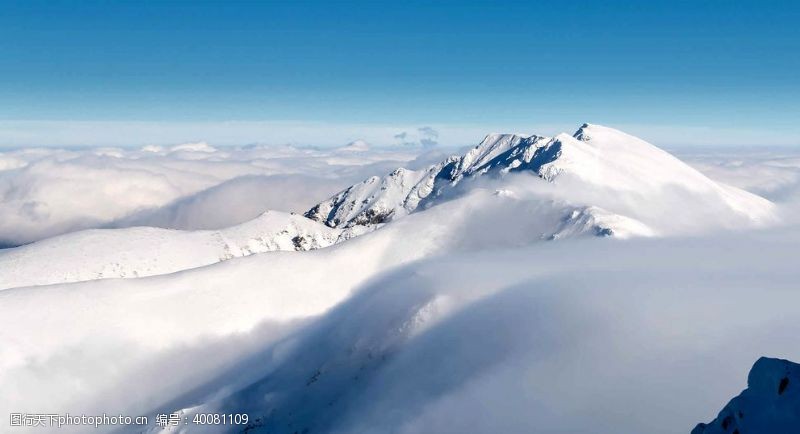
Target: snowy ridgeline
(770,404)
(599,158)
(145,251)
(601,182)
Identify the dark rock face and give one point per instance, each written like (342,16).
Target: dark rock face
(770,404)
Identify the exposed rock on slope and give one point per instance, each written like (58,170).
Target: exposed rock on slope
(770,404)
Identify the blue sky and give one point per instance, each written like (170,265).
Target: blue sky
(713,72)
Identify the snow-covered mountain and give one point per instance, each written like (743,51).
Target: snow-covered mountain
(434,322)
(355,146)
(770,404)
(145,251)
(594,158)
(649,189)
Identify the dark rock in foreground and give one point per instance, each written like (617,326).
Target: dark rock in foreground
(770,404)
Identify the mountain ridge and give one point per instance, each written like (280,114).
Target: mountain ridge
(146,251)
(598,156)
(589,167)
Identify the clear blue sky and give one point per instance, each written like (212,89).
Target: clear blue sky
(720,67)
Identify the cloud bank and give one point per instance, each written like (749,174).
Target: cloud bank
(48,191)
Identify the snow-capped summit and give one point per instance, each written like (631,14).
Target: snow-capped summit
(597,158)
(356,146)
(607,157)
(491,146)
(193,147)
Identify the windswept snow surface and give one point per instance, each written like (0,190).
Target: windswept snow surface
(145,251)
(460,317)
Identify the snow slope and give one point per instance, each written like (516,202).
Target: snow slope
(605,156)
(145,251)
(770,404)
(594,159)
(126,328)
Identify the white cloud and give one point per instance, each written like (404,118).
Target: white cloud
(771,172)
(505,340)
(438,322)
(49,191)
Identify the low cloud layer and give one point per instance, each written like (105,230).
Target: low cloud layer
(773,173)
(505,340)
(48,191)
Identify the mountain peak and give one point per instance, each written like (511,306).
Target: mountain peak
(586,130)
(356,146)
(598,157)
(493,138)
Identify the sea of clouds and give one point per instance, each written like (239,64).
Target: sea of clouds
(47,191)
(51,191)
(446,321)
(773,173)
